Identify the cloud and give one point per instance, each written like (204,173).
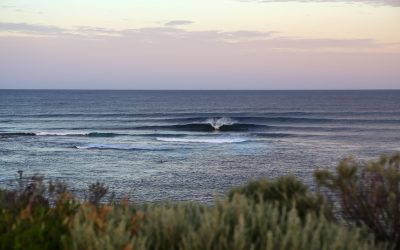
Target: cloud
(31,28)
(321,43)
(7,6)
(88,30)
(162,34)
(242,38)
(394,3)
(39,29)
(167,57)
(172,36)
(16,9)
(178,22)
(249,33)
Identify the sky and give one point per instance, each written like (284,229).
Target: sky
(200,44)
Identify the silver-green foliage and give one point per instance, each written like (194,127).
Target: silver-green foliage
(285,191)
(239,223)
(104,228)
(243,224)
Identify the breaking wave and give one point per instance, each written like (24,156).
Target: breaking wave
(209,125)
(217,123)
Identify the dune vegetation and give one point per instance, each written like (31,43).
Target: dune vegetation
(357,207)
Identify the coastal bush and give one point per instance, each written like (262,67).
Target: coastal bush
(369,195)
(287,192)
(239,223)
(34,215)
(39,229)
(104,228)
(37,215)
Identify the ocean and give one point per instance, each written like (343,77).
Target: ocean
(189,145)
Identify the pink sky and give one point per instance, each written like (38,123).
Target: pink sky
(177,54)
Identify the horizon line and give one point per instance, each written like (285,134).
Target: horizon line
(39,89)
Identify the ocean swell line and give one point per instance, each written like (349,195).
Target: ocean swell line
(87,134)
(114,147)
(202,140)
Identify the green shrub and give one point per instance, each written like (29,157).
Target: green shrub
(239,222)
(42,228)
(103,228)
(369,195)
(35,215)
(242,224)
(287,192)
(27,220)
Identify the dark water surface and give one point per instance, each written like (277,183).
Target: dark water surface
(188,145)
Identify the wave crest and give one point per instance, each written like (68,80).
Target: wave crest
(217,123)
(204,127)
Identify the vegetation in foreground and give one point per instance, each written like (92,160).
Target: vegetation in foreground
(264,214)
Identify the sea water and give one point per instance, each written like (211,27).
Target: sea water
(189,145)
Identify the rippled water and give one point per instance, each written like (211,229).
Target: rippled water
(188,145)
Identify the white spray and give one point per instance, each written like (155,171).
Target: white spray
(217,123)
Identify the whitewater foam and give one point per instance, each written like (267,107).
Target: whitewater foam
(60,133)
(203,140)
(217,123)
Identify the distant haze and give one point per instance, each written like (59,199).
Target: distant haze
(219,44)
